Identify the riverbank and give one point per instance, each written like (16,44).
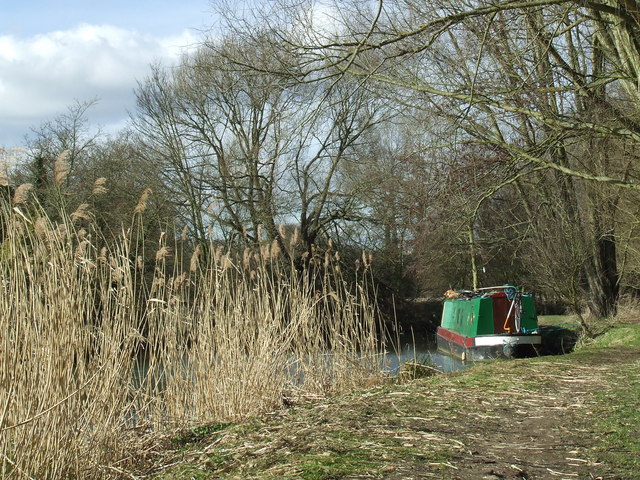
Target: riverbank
(569,416)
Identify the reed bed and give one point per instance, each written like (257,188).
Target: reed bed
(101,353)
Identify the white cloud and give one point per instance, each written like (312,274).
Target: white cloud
(41,76)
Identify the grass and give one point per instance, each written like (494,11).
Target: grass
(197,434)
(568,321)
(617,414)
(619,335)
(111,355)
(325,454)
(412,428)
(618,419)
(332,465)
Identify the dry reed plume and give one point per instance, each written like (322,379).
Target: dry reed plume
(21,194)
(94,361)
(99,186)
(61,168)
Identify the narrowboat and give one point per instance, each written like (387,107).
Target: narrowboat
(488,323)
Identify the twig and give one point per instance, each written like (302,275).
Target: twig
(15,465)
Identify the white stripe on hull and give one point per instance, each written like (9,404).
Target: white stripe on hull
(490,340)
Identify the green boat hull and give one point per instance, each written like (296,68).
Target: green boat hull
(489,323)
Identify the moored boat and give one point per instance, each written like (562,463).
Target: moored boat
(488,323)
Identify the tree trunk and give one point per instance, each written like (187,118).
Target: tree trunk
(602,277)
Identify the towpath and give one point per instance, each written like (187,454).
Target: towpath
(546,418)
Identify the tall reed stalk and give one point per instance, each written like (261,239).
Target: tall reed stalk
(96,355)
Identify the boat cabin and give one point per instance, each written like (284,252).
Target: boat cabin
(488,323)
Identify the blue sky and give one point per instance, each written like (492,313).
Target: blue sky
(56,52)
(30,17)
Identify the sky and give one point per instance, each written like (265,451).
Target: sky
(54,53)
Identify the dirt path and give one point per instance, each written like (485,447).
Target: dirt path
(540,429)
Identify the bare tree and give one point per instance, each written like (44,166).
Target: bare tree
(536,80)
(265,148)
(69,134)
(163,145)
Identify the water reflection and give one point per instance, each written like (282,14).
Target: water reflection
(425,352)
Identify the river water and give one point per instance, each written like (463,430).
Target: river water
(423,351)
